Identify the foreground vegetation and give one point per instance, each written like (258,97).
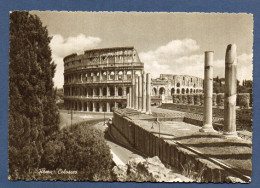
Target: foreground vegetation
(81,149)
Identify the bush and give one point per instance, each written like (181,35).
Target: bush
(220,99)
(82,149)
(184,99)
(214,99)
(191,99)
(196,99)
(243,100)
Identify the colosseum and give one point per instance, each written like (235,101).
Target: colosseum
(100,79)
(168,84)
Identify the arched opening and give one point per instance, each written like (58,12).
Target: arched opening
(104,91)
(76,106)
(120,75)
(90,106)
(104,107)
(178,84)
(85,106)
(120,91)
(112,75)
(90,91)
(191,91)
(197,91)
(112,91)
(104,76)
(129,75)
(154,91)
(97,107)
(97,91)
(172,91)
(187,90)
(183,91)
(161,91)
(79,106)
(112,107)
(127,90)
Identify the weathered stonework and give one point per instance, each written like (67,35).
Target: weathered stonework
(100,79)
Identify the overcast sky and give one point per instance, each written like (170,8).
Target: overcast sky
(171,43)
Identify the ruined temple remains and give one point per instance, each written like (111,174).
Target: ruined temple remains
(208,92)
(230,91)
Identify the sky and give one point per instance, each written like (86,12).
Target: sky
(167,43)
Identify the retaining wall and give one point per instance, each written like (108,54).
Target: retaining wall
(169,153)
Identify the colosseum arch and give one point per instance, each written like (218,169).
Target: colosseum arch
(112,75)
(90,106)
(104,91)
(127,90)
(97,107)
(120,75)
(120,105)
(104,75)
(154,91)
(104,107)
(172,91)
(178,91)
(112,91)
(129,75)
(178,84)
(112,106)
(120,91)
(191,91)
(183,91)
(187,90)
(90,91)
(162,91)
(85,106)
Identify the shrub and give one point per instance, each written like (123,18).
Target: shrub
(79,148)
(243,100)
(214,99)
(196,99)
(220,99)
(201,99)
(191,99)
(184,99)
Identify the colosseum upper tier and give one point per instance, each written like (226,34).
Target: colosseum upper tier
(100,79)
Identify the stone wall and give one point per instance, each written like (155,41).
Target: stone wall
(169,153)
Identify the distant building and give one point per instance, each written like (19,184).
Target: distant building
(168,84)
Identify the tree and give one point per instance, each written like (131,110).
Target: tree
(32,115)
(81,148)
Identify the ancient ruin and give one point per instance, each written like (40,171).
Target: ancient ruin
(100,79)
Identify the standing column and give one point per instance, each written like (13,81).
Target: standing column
(143,93)
(94,106)
(100,107)
(230,91)
(87,109)
(108,91)
(100,91)
(140,103)
(82,106)
(127,101)
(208,91)
(133,93)
(130,97)
(136,93)
(116,91)
(124,91)
(108,107)
(148,93)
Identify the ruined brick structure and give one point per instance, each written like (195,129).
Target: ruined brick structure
(169,84)
(100,79)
